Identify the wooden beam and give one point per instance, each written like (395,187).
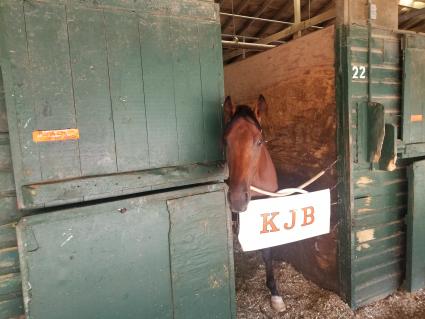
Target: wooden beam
(242,5)
(297,16)
(325,16)
(286,7)
(409,15)
(257,14)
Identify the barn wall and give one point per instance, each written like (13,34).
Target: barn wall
(298,82)
(11,305)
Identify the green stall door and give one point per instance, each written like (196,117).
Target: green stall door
(141,81)
(415,267)
(160,256)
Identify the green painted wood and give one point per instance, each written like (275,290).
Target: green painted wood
(89,62)
(11,309)
(382,217)
(395,266)
(378,289)
(3,116)
(9,261)
(10,287)
(199,264)
(7,236)
(158,84)
(189,107)
(345,163)
(5,157)
(212,89)
(415,263)
(18,91)
(378,204)
(413,96)
(9,212)
(139,246)
(376,246)
(51,84)
(126,85)
(116,72)
(385,256)
(89,188)
(7,184)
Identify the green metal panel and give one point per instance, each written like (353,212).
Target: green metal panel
(157,256)
(413,129)
(141,80)
(415,263)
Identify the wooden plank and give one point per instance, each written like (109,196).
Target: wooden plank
(199,264)
(389,268)
(5,156)
(159,90)
(89,63)
(415,250)
(385,256)
(9,212)
(386,216)
(378,289)
(212,88)
(376,131)
(377,204)
(9,260)
(297,16)
(126,84)
(89,188)
(7,184)
(3,115)
(187,91)
(12,309)
(378,245)
(52,86)
(18,91)
(7,236)
(413,131)
(10,287)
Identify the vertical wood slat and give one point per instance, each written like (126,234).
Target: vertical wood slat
(212,88)
(159,90)
(18,91)
(187,90)
(52,92)
(89,63)
(126,85)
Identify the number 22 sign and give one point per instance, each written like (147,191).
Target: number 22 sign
(359,72)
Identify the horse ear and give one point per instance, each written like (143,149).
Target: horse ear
(229,109)
(261,107)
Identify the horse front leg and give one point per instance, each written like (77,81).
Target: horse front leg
(276,300)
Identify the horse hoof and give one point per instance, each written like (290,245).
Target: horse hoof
(278,304)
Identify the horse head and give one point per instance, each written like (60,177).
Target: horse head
(244,145)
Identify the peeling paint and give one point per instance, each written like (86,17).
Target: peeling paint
(362,246)
(365,235)
(364,180)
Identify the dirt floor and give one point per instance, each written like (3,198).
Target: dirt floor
(304,299)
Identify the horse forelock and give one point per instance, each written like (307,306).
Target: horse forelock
(245,112)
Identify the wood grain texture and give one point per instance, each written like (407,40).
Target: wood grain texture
(298,82)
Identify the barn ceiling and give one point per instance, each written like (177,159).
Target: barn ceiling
(272,22)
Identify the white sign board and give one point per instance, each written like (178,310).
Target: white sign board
(276,221)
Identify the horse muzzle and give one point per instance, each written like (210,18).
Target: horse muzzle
(238,201)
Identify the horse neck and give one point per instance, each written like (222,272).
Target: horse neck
(266,177)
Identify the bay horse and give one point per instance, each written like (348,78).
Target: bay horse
(249,163)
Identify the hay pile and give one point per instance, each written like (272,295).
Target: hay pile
(306,300)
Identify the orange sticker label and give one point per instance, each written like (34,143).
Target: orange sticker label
(416,118)
(56,135)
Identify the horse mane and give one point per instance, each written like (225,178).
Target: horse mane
(245,112)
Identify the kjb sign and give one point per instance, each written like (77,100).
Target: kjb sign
(276,221)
